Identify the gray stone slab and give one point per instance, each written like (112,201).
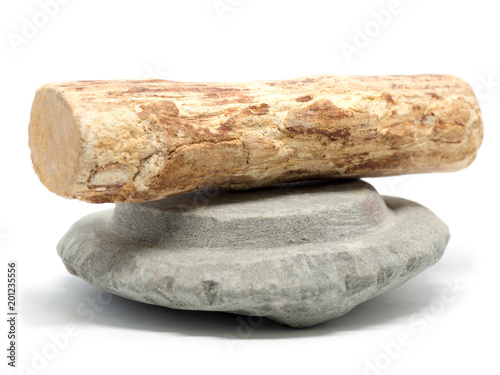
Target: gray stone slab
(298,253)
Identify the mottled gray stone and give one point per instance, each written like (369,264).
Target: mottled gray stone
(298,253)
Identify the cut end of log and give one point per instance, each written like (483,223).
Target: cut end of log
(55,141)
(136,141)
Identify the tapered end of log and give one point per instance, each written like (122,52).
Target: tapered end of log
(136,141)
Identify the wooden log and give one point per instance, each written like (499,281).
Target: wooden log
(126,140)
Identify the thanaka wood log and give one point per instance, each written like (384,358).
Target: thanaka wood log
(142,140)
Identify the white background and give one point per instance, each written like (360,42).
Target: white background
(250,40)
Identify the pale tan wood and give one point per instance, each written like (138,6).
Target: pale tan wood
(116,141)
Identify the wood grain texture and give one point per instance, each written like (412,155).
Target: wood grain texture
(126,140)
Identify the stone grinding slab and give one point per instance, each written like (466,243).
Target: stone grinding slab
(298,253)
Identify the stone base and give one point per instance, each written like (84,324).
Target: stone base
(298,253)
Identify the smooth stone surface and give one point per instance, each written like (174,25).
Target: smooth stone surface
(298,253)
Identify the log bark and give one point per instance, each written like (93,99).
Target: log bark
(141,140)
